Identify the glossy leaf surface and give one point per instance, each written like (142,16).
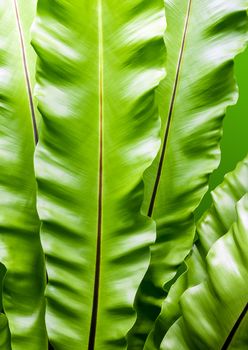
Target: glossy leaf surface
(20,248)
(214,313)
(202,38)
(214,224)
(97,72)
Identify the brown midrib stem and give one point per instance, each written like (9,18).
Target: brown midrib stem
(171,108)
(25,66)
(93,325)
(235,328)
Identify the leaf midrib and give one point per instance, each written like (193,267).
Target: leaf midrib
(171,109)
(235,328)
(93,325)
(26,72)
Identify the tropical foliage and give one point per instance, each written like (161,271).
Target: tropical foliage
(214,224)
(222,296)
(109,131)
(21,253)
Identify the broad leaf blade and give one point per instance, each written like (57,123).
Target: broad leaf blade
(216,221)
(20,248)
(214,313)
(202,38)
(97,73)
(214,224)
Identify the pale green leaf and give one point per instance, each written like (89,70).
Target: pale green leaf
(214,224)
(202,38)
(99,65)
(20,248)
(214,313)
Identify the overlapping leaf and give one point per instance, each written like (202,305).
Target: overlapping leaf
(20,248)
(214,313)
(97,72)
(214,224)
(202,38)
